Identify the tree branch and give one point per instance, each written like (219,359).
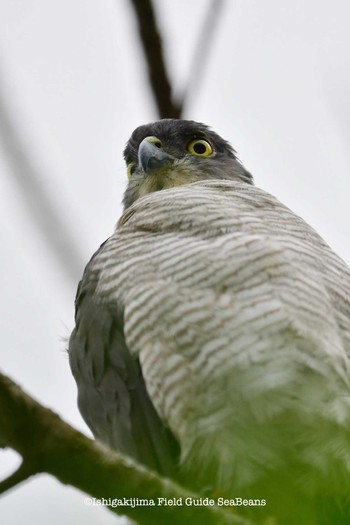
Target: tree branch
(48,444)
(42,209)
(152,47)
(20,475)
(202,51)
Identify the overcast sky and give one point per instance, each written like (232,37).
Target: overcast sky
(276,84)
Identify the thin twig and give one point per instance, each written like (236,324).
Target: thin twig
(21,474)
(202,51)
(41,207)
(152,47)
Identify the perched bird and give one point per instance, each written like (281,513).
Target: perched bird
(212,337)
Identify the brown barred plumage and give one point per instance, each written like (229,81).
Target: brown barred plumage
(212,340)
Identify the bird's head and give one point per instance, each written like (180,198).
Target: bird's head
(170,153)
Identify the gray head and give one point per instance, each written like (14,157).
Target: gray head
(171,152)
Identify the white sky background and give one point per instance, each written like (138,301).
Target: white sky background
(276,84)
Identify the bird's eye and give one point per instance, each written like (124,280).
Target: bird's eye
(131,169)
(200,147)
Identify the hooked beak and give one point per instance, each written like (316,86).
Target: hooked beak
(152,157)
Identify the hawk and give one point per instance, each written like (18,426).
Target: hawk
(212,337)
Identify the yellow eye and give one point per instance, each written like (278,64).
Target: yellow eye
(200,147)
(131,169)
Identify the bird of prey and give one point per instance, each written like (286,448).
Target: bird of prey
(212,337)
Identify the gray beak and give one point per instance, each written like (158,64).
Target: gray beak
(152,157)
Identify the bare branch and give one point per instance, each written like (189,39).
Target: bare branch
(48,444)
(202,51)
(42,209)
(152,47)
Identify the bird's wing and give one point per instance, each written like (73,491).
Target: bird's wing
(112,397)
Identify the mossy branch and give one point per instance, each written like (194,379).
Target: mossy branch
(48,444)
